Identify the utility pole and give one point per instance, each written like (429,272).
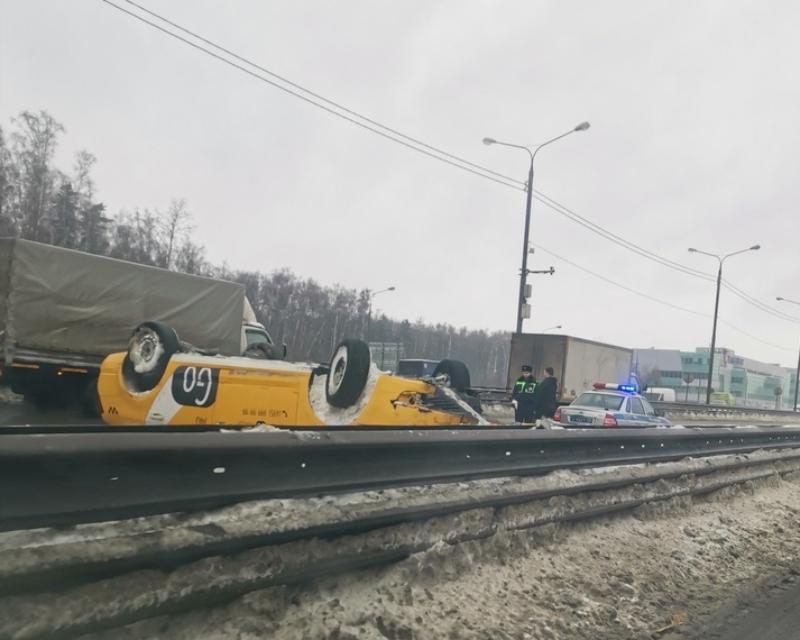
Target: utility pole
(797,373)
(369,308)
(523,274)
(721,260)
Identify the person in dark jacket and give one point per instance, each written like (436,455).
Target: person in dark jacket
(523,396)
(545,395)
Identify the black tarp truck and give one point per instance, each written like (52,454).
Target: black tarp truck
(62,311)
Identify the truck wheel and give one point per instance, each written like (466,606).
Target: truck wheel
(260,350)
(455,374)
(348,373)
(149,350)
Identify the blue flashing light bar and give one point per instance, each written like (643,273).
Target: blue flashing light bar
(625,388)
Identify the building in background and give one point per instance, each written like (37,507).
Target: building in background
(751,382)
(660,368)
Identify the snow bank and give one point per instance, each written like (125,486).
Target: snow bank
(484,572)
(614,578)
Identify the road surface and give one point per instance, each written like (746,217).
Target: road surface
(23,413)
(771,611)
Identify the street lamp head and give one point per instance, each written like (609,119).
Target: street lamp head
(692,250)
(372,294)
(779,298)
(755,247)
(488,141)
(583,126)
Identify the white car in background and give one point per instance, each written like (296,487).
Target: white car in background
(660,394)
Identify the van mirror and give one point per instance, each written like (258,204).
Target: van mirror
(659,412)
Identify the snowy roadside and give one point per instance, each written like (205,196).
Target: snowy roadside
(613,577)
(9,397)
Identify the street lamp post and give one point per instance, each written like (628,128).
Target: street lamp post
(529,190)
(721,260)
(797,373)
(369,309)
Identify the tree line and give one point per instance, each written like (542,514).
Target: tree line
(39,201)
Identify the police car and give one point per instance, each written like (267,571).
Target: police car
(609,406)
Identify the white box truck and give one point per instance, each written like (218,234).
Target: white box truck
(577,363)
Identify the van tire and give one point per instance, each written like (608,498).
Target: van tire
(349,370)
(455,373)
(151,346)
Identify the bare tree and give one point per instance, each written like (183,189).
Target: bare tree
(191,259)
(9,188)
(83,183)
(175,226)
(63,217)
(33,145)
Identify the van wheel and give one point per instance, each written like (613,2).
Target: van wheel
(149,350)
(348,373)
(454,373)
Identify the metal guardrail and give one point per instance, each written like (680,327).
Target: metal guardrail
(54,584)
(65,476)
(721,409)
(500,394)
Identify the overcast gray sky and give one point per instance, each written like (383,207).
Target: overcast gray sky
(694,142)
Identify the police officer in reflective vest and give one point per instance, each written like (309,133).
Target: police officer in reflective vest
(522,397)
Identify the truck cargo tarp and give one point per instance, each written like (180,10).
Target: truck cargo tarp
(58,299)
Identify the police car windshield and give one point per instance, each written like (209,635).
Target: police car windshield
(599,401)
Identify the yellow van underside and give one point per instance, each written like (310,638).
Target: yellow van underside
(277,395)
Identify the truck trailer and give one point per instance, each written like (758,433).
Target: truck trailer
(63,311)
(577,363)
